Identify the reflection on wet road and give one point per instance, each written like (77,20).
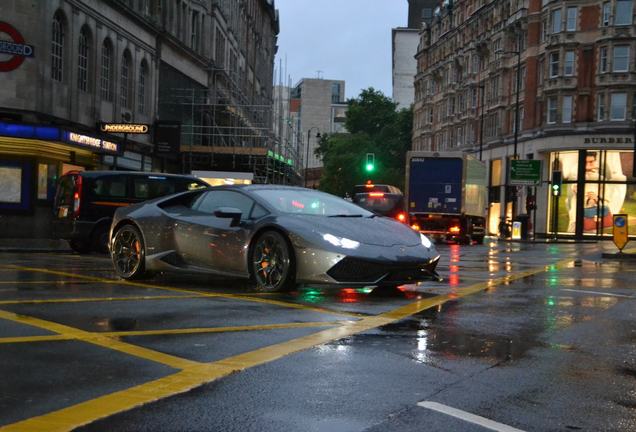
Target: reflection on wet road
(524,335)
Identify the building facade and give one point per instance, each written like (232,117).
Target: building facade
(318,107)
(553,81)
(67,66)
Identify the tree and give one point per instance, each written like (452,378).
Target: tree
(373,127)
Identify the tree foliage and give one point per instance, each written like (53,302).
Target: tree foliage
(374,126)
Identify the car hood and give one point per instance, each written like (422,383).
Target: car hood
(375,231)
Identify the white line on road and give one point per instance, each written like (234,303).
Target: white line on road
(599,293)
(468,417)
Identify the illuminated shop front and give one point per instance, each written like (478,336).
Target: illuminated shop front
(596,184)
(32,158)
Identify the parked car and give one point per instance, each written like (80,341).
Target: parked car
(384,200)
(85,202)
(277,235)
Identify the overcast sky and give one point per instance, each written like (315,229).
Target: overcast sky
(344,39)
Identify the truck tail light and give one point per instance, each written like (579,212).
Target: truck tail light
(416,227)
(455,229)
(77,194)
(401,217)
(376,194)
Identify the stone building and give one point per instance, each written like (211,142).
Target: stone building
(531,79)
(69,65)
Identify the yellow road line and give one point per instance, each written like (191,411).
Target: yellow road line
(189,291)
(23,339)
(224,329)
(96,299)
(33,282)
(100,340)
(75,416)
(184,331)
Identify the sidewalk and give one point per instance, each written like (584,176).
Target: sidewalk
(33,245)
(627,254)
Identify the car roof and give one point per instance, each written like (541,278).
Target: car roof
(131,173)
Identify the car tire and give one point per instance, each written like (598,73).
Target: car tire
(272,264)
(79,246)
(128,253)
(99,240)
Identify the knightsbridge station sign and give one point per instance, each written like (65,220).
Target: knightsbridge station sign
(15,47)
(129,128)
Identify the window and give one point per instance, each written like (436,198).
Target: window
(566,111)
(556,21)
(541,72)
(602,59)
(620,58)
(107,71)
(211,201)
(554,64)
(335,92)
(141,87)
(196,31)
(568,66)
(618,106)
(82,60)
(600,107)
(552,110)
(57,48)
(125,80)
(220,49)
(607,10)
(623,12)
(570,24)
(109,187)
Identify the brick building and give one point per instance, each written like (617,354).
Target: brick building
(575,101)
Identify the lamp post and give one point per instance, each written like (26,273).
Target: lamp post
(307,150)
(516,132)
(481,121)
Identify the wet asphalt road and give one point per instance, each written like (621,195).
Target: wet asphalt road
(531,336)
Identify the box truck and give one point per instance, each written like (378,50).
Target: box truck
(446,195)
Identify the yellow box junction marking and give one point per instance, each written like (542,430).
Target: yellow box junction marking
(198,374)
(187,291)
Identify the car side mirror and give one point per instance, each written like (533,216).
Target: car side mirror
(229,213)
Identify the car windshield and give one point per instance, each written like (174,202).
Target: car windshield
(308,202)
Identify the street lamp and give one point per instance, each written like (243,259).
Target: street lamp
(481,121)
(307,156)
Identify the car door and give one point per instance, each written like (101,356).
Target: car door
(208,241)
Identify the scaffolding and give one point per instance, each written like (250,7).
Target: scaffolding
(222,130)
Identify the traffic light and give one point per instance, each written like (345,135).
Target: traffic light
(370,163)
(556,183)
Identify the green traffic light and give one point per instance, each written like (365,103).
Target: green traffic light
(370,167)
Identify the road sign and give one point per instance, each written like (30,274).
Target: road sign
(620,231)
(525,172)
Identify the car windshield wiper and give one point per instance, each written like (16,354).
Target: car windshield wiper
(345,215)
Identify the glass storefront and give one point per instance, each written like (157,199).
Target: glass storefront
(596,185)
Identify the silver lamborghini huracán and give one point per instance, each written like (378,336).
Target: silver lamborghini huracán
(279,236)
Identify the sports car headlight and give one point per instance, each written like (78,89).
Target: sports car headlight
(425,241)
(341,241)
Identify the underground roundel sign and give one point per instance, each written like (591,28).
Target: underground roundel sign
(13,50)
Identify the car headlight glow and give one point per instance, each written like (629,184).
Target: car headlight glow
(341,241)
(425,241)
